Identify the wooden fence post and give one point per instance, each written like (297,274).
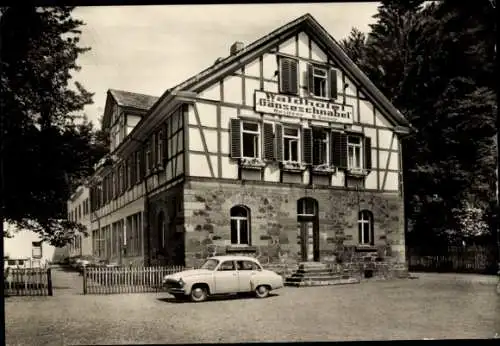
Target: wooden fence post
(49,282)
(84,279)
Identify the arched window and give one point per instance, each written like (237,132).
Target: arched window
(365,228)
(307,207)
(240,225)
(162,237)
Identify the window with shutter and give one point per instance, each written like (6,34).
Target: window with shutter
(268,141)
(235,138)
(307,145)
(278,142)
(368,153)
(288,75)
(317,80)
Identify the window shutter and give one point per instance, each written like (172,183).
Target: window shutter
(368,153)
(279,142)
(294,85)
(333,83)
(307,146)
(268,141)
(310,79)
(154,149)
(165,143)
(142,156)
(339,150)
(235,138)
(133,169)
(288,76)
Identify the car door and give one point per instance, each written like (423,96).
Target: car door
(246,270)
(226,278)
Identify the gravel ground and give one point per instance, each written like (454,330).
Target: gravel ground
(434,306)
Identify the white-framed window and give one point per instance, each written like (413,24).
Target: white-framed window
(365,227)
(291,141)
(319,82)
(354,152)
(321,147)
(250,139)
(240,225)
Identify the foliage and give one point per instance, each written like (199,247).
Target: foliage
(435,62)
(470,220)
(45,152)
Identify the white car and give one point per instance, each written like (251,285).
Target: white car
(223,275)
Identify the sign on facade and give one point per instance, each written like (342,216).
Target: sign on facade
(295,106)
(36,249)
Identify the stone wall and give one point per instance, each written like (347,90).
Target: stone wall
(274,219)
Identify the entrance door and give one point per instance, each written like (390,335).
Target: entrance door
(308,223)
(307,244)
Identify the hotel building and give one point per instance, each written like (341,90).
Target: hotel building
(283,150)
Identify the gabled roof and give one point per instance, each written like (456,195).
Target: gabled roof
(133,100)
(127,99)
(309,25)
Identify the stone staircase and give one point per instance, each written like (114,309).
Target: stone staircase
(319,274)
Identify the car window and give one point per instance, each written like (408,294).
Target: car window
(228,265)
(247,265)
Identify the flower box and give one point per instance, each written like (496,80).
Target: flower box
(324,169)
(252,163)
(357,172)
(293,166)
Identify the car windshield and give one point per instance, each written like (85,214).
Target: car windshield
(210,264)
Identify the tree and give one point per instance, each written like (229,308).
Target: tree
(44,152)
(435,62)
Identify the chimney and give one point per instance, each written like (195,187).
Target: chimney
(236,47)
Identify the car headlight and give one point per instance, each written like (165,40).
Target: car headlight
(181,282)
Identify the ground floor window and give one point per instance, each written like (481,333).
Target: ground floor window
(240,225)
(365,228)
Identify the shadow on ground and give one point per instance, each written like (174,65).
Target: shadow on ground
(173,300)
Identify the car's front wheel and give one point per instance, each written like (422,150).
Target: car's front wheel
(199,294)
(262,291)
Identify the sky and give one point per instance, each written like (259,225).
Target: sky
(148,49)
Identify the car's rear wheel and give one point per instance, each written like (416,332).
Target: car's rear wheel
(262,291)
(199,294)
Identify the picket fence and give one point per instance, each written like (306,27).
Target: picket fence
(116,280)
(468,260)
(28,282)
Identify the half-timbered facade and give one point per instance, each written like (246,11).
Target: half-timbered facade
(284,150)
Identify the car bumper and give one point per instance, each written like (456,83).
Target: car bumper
(174,290)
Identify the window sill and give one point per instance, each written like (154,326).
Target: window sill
(357,172)
(241,248)
(365,248)
(252,163)
(324,169)
(293,167)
